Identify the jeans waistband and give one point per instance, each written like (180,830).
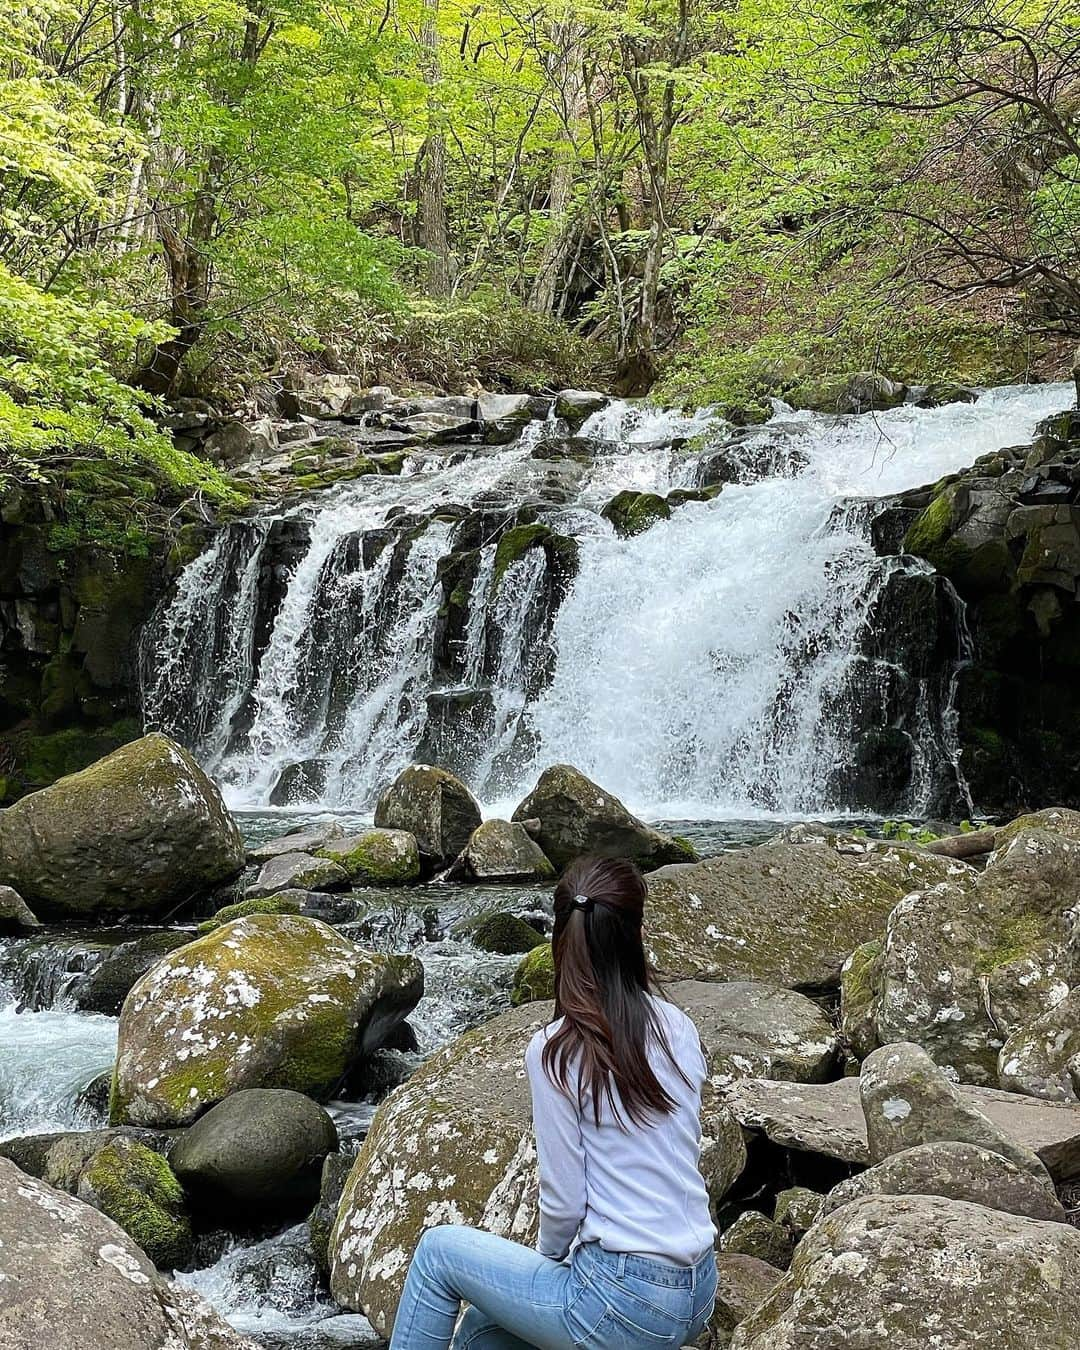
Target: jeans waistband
(649,1268)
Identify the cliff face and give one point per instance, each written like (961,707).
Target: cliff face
(1006,534)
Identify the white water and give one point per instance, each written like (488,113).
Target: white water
(700,668)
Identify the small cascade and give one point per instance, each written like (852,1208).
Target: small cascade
(740,657)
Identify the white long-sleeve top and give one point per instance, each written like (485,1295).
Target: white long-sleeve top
(632,1188)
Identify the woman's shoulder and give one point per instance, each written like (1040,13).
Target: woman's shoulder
(539,1039)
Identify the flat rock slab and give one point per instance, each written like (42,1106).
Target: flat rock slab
(827,1118)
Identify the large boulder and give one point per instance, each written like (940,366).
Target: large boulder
(434,806)
(577,816)
(743,1283)
(502,850)
(758,1031)
(534,978)
(307,840)
(1041,1057)
(911,1272)
(263,1001)
(971,960)
(69,1276)
(907,1100)
(137,1189)
(376,857)
(956,1171)
(141,831)
(455,1145)
(784,913)
(260,1150)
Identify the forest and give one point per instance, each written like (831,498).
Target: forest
(712,200)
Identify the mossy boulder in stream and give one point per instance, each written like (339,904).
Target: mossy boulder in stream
(141,831)
(433,806)
(376,857)
(534,978)
(632,512)
(455,1145)
(138,1189)
(263,1001)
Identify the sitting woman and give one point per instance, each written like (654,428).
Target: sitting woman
(616,1090)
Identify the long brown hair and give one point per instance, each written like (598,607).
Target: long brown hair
(602,980)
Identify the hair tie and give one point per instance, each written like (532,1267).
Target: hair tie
(584,903)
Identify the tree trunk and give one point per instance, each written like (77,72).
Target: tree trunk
(560,238)
(434,231)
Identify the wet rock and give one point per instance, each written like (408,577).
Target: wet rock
(335,1172)
(783,913)
(500,932)
(284,902)
(501,850)
(1038,1059)
(15,914)
(576,405)
(263,1001)
(576,816)
(435,807)
(957,1171)
(907,1100)
(104,989)
(455,1145)
(632,512)
(922,1271)
(376,857)
(859,392)
(506,415)
(137,1189)
(753,1234)
(938,395)
(860,988)
(297,871)
(967,962)
(141,831)
(59,1158)
(299,841)
(93,1098)
(758,1031)
(260,1150)
(534,979)
(742,1285)
(798,1209)
(72,1277)
(299,783)
(827,1118)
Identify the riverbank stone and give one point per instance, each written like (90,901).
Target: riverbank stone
(501,933)
(260,1150)
(578,816)
(1042,1059)
(263,1001)
(297,872)
(16,916)
(104,988)
(432,805)
(136,1188)
(141,831)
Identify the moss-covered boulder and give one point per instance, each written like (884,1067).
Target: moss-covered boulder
(534,979)
(755,1234)
(376,857)
(70,1276)
(263,1001)
(578,816)
(335,1173)
(971,960)
(137,1189)
(433,806)
(500,932)
(920,1271)
(502,850)
(783,913)
(141,831)
(860,987)
(258,1152)
(853,392)
(283,902)
(455,1145)
(633,512)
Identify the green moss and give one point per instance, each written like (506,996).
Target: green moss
(682,850)
(43,759)
(375,858)
(138,1190)
(535,977)
(503,933)
(389,463)
(515,543)
(270,904)
(1019,936)
(929,535)
(632,512)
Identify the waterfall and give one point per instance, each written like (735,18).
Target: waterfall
(725,662)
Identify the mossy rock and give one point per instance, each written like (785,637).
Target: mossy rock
(268,1000)
(515,543)
(534,978)
(501,933)
(860,985)
(376,857)
(632,512)
(137,1189)
(282,903)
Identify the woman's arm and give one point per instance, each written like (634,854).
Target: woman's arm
(561,1156)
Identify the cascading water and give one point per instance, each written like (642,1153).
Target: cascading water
(714,665)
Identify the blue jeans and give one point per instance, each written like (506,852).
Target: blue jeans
(519,1299)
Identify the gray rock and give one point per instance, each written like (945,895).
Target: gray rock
(576,816)
(299,841)
(137,1189)
(335,1172)
(505,415)
(782,913)
(69,1276)
(743,1283)
(1036,1058)
(299,872)
(575,405)
(233,443)
(967,963)
(912,1272)
(140,831)
(59,1158)
(798,1209)
(956,1171)
(754,1234)
(827,1118)
(907,1100)
(260,1149)
(109,983)
(860,989)
(759,1031)
(501,850)
(15,914)
(434,806)
(456,1141)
